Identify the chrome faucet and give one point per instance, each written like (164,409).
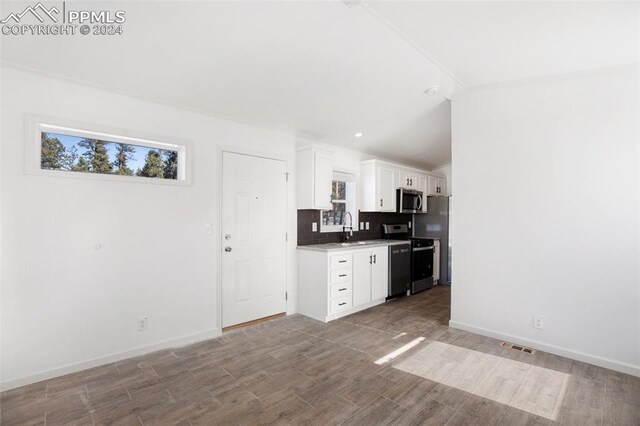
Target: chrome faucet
(344,227)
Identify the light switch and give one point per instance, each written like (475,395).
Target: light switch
(366,226)
(409,224)
(208,229)
(314,227)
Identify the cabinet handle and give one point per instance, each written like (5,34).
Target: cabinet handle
(375,258)
(342,261)
(342,275)
(343,303)
(380,202)
(342,289)
(370,260)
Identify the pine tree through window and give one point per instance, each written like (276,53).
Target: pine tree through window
(343,192)
(335,216)
(86,155)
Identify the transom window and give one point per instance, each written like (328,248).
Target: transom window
(61,149)
(70,153)
(343,201)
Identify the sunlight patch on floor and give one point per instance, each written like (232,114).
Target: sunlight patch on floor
(523,386)
(402,349)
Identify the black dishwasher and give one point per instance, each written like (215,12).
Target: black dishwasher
(399,269)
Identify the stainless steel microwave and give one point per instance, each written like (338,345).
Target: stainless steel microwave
(408,201)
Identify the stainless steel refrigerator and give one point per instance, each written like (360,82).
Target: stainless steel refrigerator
(435,224)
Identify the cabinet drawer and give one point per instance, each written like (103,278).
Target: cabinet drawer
(340,261)
(340,304)
(340,290)
(340,276)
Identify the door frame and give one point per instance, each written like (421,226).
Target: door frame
(221,149)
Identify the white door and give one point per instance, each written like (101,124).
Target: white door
(380,273)
(254,221)
(362,260)
(386,185)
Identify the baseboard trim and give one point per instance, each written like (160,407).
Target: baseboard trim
(96,362)
(621,367)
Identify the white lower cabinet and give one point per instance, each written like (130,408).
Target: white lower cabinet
(370,275)
(361,277)
(335,284)
(380,273)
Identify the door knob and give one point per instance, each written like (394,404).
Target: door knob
(227,249)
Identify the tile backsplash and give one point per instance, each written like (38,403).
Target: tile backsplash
(307,217)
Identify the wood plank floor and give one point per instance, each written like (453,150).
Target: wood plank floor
(295,370)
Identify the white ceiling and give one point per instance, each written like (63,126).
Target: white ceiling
(485,43)
(327,70)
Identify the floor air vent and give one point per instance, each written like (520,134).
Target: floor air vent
(518,348)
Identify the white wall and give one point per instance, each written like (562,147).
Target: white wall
(547,191)
(64,304)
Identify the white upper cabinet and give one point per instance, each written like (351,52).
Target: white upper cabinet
(437,186)
(315,176)
(378,187)
(407,179)
(441,186)
(380,180)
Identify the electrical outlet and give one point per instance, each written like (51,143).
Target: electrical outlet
(538,322)
(361,226)
(409,224)
(143,324)
(366,226)
(314,227)
(208,229)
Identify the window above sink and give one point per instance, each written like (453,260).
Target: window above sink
(343,201)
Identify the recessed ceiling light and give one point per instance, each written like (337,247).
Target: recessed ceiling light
(432,90)
(358,135)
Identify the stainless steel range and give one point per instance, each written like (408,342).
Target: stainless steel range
(421,264)
(411,268)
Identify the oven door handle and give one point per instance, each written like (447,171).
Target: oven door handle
(424,248)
